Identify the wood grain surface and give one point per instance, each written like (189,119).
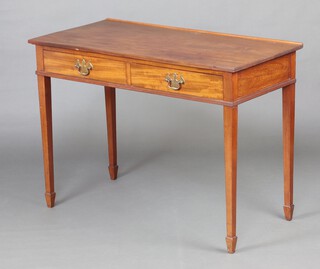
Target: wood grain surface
(103,70)
(110,101)
(196,84)
(44,92)
(230,119)
(264,75)
(217,68)
(288,114)
(201,49)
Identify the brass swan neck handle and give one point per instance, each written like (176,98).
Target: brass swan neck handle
(173,82)
(83,67)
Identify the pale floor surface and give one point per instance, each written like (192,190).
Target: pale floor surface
(166,210)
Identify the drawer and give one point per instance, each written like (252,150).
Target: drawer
(102,69)
(195,84)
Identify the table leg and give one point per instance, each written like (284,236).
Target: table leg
(110,97)
(288,107)
(230,151)
(44,88)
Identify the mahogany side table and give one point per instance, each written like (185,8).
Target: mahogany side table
(209,67)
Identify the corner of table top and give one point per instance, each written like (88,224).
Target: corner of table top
(32,41)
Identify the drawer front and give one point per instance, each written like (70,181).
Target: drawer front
(102,69)
(195,84)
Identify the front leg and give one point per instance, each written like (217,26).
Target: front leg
(230,155)
(44,88)
(110,98)
(288,108)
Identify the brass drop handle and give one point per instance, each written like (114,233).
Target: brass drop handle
(83,67)
(173,82)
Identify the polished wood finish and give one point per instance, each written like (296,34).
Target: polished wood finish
(47,141)
(176,46)
(288,111)
(196,84)
(130,60)
(204,85)
(63,63)
(44,90)
(264,75)
(218,68)
(173,94)
(266,90)
(288,99)
(110,98)
(230,118)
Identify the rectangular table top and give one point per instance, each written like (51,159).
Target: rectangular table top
(194,48)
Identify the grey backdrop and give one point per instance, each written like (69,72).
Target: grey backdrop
(167,208)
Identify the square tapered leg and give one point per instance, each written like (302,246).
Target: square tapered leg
(110,98)
(44,88)
(288,109)
(230,152)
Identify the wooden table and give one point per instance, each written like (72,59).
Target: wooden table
(202,66)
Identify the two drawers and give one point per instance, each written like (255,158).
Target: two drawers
(133,74)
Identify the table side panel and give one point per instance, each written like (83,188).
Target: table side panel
(264,75)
